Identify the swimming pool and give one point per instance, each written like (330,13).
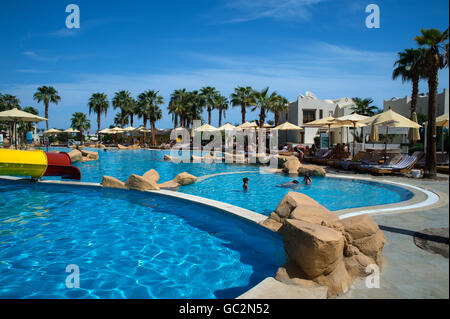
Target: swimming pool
(264,192)
(264,195)
(127,244)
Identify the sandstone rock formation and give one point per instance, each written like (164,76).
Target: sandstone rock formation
(75,156)
(322,249)
(313,170)
(171,185)
(140,183)
(112,182)
(185,179)
(152,175)
(292,165)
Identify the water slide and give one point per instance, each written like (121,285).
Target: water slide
(36,164)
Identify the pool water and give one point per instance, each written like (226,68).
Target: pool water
(127,244)
(264,192)
(264,195)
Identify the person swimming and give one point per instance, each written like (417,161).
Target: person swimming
(307,178)
(294,184)
(245,186)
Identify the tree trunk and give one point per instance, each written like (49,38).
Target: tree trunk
(276,118)
(98,124)
(131,120)
(430,159)
(415,93)
(220,117)
(46,112)
(153,132)
(243,113)
(262,116)
(81,135)
(175,121)
(209,115)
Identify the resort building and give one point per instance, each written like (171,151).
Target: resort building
(309,108)
(403,105)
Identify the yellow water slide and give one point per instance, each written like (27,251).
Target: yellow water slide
(23,163)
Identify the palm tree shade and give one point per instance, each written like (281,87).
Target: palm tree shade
(98,103)
(243,97)
(80,122)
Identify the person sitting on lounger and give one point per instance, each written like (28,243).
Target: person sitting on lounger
(293,184)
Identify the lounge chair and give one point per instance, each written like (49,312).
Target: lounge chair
(391,160)
(320,157)
(404,166)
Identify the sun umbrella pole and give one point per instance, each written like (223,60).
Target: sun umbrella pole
(386,143)
(329,136)
(354,137)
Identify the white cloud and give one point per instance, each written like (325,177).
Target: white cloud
(248,10)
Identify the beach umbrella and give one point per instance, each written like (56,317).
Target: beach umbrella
(355,120)
(287,126)
(374,135)
(15,115)
(248,125)
(105,131)
(227,127)
(71,130)
(52,131)
(413,133)
(327,121)
(388,119)
(206,128)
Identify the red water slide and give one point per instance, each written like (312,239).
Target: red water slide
(59,164)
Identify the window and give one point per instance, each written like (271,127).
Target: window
(320,114)
(309,116)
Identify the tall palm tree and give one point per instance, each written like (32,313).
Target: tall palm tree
(149,102)
(434,40)
(80,122)
(124,102)
(243,97)
(364,107)
(46,94)
(98,103)
(209,93)
(221,104)
(264,101)
(176,107)
(410,67)
(281,104)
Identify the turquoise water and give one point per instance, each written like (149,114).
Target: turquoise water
(264,192)
(264,195)
(127,244)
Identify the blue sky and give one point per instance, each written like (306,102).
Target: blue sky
(292,46)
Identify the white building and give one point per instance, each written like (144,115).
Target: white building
(309,108)
(403,105)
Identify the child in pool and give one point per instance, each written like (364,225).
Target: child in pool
(245,186)
(294,184)
(307,178)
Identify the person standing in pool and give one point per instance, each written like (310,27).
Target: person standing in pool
(307,178)
(245,186)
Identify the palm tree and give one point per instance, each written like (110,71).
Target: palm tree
(264,102)
(8,102)
(281,104)
(410,67)
(32,110)
(364,107)
(98,103)
(120,119)
(176,107)
(80,122)
(149,102)
(221,104)
(124,102)
(46,94)
(209,93)
(243,97)
(435,60)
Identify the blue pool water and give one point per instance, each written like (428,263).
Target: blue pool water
(127,244)
(265,194)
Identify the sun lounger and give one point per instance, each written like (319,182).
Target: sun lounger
(321,157)
(390,161)
(404,166)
